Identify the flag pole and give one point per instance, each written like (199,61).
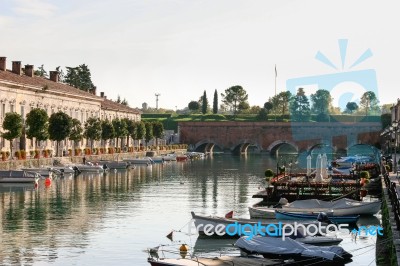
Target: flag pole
(276,74)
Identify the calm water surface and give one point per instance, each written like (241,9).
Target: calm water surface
(111,219)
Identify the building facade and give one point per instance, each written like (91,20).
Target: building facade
(21,91)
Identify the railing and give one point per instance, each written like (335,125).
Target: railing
(394,199)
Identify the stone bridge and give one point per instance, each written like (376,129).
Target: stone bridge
(236,137)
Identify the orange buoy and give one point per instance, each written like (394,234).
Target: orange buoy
(47,182)
(183,250)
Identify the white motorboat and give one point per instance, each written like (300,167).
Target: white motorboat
(45,171)
(340,207)
(64,169)
(144,160)
(89,167)
(216,261)
(115,164)
(18,176)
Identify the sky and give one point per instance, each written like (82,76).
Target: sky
(181,48)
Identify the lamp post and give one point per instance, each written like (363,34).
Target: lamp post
(395,127)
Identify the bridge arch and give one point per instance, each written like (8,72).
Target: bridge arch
(274,146)
(242,146)
(363,149)
(206,146)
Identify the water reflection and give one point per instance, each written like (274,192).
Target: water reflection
(96,219)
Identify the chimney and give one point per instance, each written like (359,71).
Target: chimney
(93,90)
(29,70)
(54,76)
(102,94)
(3,63)
(16,67)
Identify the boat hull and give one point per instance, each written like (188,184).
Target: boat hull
(18,176)
(347,207)
(281,215)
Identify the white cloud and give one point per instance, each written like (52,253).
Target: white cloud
(40,8)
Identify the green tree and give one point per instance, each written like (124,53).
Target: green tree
(140,131)
(37,124)
(131,129)
(79,77)
(280,102)
(149,132)
(107,131)
(268,106)
(254,110)
(92,130)
(13,124)
(321,101)
(262,114)
(300,107)
(120,129)
(243,106)
(194,106)
(204,103)
(61,74)
(351,107)
(369,102)
(158,130)
(234,96)
(60,125)
(76,133)
(215,102)
(41,72)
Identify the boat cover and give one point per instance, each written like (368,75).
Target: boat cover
(320,204)
(277,246)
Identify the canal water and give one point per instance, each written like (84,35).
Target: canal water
(113,218)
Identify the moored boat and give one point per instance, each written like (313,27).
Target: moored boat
(18,176)
(284,215)
(144,161)
(45,171)
(271,247)
(115,164)
(216,261)
(339,208)
(89,167)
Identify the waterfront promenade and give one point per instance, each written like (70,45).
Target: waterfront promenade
(391,192)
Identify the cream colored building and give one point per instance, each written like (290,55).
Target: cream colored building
(21,91)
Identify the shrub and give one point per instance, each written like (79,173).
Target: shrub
(364,174)
(17,154)
(269,173)
(23,154)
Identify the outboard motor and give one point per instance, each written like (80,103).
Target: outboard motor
(323,218)
(76,170)
(105,167)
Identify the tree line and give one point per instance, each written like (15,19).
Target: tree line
(298,106)
(60,126)
(78,77)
